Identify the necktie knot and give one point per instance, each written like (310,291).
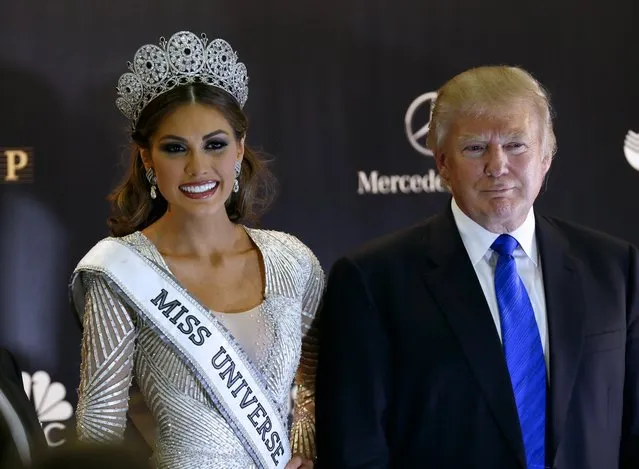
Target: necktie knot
(505,245)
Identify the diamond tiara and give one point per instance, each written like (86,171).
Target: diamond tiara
(184,59)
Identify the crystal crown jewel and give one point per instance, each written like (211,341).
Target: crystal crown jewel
(185,58)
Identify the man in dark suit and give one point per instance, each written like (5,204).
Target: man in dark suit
(21,437)
(489,336)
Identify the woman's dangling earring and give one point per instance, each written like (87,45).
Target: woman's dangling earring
(236,182)
(153,180)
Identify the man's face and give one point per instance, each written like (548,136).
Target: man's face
(495,165)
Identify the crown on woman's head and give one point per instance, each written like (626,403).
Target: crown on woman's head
(185,58)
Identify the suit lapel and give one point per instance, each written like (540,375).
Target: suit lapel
(451,279)
(11,386)
(21,405)
(565,310)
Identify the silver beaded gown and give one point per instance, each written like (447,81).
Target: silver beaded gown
(190,431)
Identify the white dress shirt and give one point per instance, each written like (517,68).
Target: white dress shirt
(477,241)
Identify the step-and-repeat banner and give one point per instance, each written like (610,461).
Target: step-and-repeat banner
(339,98)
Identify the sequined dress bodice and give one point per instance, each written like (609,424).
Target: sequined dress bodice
(190,431)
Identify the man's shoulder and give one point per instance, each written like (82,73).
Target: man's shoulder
(581,237)
(8,365)
(6,357)
(396,246)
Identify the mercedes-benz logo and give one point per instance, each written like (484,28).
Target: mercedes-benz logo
(417,137)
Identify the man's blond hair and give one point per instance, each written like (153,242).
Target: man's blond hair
(488,91)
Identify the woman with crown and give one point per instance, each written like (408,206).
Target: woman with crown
(211,317)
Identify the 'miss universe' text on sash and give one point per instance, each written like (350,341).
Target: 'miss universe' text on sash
(190,326)
(230,379)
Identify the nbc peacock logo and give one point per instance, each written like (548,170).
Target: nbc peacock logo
(631,149)
(48,399)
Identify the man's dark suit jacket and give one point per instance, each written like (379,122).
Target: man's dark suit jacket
(411,370)
(11,387)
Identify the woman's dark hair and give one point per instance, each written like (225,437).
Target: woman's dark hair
(132,207)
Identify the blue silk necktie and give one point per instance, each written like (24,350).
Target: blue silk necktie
(523,351)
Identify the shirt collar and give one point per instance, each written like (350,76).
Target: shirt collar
(478,239)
